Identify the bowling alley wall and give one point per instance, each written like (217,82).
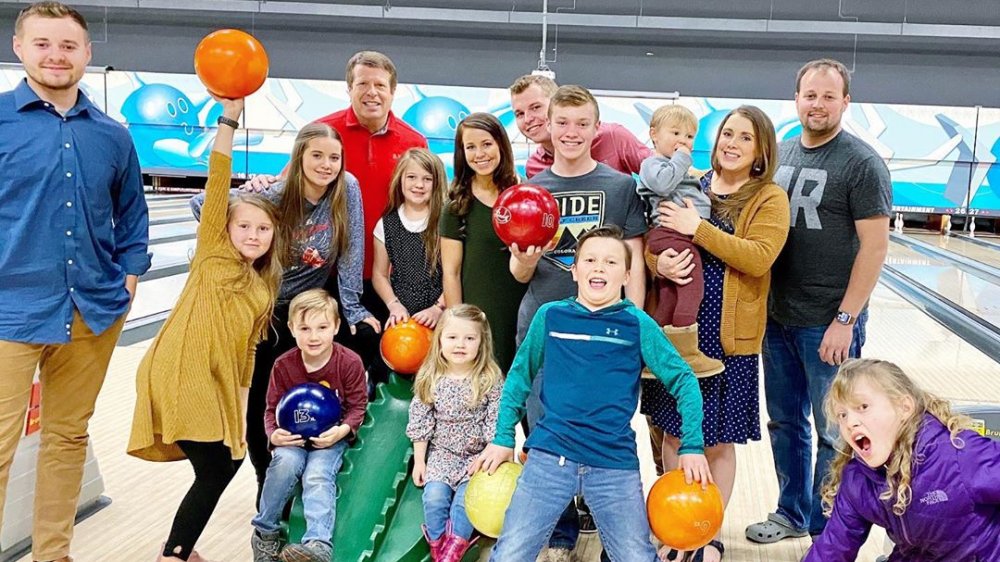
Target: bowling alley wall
(943,159)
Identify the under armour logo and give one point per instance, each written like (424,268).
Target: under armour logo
(612,332)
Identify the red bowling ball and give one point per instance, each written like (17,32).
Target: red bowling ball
(526,215)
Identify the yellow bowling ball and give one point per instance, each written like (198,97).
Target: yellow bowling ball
(487,498)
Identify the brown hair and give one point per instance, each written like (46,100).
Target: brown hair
(52,10)
(292,210)
(891,380)
(371,59)
(460,194)
(313,300)
(608,231)
(574,96)
(673,114)
(546,84)
(765,163)
(432,165)
(485,372)
(825,64)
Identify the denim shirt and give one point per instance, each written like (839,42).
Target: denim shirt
(73,217)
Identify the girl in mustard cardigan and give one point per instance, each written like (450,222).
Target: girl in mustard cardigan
(747,229)
(192,384)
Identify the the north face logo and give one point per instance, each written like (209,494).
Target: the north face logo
(935,497)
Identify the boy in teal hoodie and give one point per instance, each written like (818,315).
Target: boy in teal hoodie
(593,348)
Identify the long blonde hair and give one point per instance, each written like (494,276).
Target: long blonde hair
(485,371)
(430,163)
(762,170)
(292,209)
(269,266)
(891,380)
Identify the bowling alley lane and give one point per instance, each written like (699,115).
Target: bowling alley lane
(977,295)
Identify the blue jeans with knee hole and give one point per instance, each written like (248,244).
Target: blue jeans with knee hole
(317,470)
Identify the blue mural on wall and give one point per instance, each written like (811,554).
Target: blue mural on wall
(942,159)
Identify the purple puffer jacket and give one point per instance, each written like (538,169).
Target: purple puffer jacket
(954,515)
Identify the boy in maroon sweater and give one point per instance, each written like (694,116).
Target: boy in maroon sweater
(313,320)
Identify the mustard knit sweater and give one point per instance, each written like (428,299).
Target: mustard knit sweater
(189,383)
(760,233)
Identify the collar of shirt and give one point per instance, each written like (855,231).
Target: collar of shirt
(26,98)
(352,121)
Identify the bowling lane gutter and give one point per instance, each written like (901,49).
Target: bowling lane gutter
(964,263)
(977,241)
(975,330)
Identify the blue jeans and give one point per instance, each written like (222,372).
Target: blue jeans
(317,469)
(441,503)
(795,382)
(548,483)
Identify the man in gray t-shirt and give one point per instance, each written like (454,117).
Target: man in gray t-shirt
(841,197)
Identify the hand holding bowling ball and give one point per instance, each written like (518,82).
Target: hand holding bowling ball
(231,63)
(526,215)
(684,516)
(308,410)
(405,345)
(488,496)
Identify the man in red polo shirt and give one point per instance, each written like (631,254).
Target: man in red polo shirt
(374,139)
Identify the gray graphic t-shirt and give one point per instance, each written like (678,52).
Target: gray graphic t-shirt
(829,187)
(601,197)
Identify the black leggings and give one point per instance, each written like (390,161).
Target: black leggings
(214,469)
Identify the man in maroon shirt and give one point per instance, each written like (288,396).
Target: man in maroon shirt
(614,145)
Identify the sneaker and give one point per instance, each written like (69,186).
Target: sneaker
(265,546)
(560,555)
(312,551)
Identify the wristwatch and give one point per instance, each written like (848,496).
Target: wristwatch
(844,318)
(223,120)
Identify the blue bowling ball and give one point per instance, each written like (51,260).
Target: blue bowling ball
(308,410)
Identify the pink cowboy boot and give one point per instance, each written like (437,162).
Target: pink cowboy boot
(454,547)
(437,545)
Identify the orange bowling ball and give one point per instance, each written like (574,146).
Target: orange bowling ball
(405,345)
(683,516)
(231,63)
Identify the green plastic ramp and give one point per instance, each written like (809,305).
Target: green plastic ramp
(379,509)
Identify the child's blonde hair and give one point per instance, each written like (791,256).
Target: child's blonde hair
(891,380)
(430,163)
(485,371)
(674,114)
(270,266)
(313,300)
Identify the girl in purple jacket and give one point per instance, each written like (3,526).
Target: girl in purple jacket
(910,465)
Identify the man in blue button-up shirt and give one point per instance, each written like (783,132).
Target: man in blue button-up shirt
(75,235)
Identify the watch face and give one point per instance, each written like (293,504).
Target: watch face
(843,318)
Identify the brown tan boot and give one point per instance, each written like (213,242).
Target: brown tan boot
(686,341)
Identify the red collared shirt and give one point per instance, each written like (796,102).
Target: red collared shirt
(614,145)
(371,158)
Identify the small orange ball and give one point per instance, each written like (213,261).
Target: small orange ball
(405,345)
(231,63)
(681,515)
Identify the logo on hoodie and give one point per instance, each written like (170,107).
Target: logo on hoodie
(935,497)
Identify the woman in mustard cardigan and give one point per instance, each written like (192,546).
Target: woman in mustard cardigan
(192,384)
(741,240)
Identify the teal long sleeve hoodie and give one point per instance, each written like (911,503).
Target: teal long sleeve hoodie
(592,362)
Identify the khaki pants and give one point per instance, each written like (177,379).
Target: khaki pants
(71,376)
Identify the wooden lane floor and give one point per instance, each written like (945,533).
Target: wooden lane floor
(145,495)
